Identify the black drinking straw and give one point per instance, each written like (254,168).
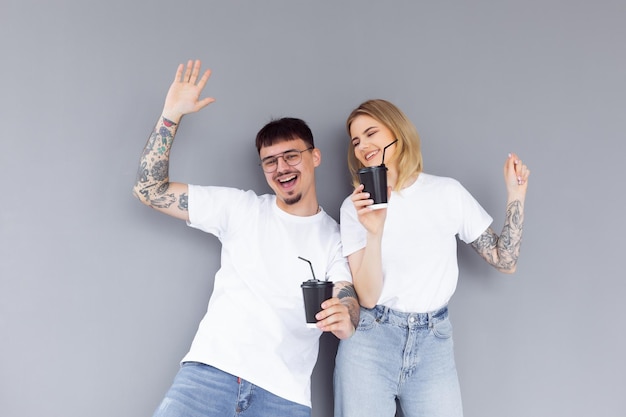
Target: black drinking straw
(384,149)
(309,262)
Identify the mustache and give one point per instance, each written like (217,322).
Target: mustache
(281,173)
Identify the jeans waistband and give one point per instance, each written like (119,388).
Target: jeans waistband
(388,315)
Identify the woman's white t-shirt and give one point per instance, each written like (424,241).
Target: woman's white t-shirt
(419,253)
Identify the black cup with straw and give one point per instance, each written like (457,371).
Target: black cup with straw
(314,292)
(374,180)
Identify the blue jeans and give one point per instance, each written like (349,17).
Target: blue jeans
(201,390)
(395,356)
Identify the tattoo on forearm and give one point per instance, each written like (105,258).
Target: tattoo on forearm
(163,201)
(152,183)
(503,251)
(347,295)
(161,170)
(183,202)
(347,291)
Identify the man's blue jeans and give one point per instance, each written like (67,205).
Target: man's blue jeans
(406,357)
(200,390)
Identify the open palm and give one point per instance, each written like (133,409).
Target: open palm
(183,96)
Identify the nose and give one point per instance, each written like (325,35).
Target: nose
(281,163)
(362,144)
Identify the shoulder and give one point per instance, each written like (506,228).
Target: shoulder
(329,222)
(217,196)
(436,180)
(440,184)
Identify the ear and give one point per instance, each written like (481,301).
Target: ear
(317,157)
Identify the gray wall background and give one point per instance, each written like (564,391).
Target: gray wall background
(100,296)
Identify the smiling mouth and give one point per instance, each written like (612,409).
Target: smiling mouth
(286,181)
(371,155)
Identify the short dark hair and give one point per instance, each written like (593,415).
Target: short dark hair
(282,130)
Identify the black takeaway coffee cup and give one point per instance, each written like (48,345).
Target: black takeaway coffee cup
(314,292)
(374,180)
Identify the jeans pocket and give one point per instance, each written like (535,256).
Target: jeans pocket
(367,319)
(443,329)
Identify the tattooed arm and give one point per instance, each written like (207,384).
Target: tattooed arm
(152,186)
(340,314)
(503,251)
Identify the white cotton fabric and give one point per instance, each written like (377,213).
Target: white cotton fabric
(419,253)
(255,326)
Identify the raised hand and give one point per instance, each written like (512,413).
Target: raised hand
(516,176)
(183,96)
(503,251)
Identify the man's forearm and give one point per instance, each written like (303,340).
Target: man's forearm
(152,182)
(348,297)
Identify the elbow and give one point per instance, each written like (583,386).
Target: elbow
(140,196)
(367,297)
(367,303)
(508,269)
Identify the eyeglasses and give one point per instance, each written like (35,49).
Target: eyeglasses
(292,158)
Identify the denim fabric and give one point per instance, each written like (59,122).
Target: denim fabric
(203,391)
(395,356)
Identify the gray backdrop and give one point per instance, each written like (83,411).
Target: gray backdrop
(100,296)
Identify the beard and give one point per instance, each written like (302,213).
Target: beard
(293,200)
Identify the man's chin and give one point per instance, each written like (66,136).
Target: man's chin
(290,201)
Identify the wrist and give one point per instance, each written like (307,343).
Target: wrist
(516,196)
(171,116)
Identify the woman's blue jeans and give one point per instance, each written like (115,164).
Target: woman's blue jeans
(395,356)
(204,391)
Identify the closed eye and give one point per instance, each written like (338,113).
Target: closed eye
(291,156)
(270,162)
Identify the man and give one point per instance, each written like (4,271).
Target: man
(253,350)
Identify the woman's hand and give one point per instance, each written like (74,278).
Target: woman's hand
(516,177)
(372,220)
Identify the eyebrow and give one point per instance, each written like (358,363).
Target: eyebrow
(365,132)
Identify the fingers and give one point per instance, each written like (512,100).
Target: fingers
(188,69)
(204,79)
(516,170)
(179,73)
(205,102)
(334,316)
(361,199)
(191,73)
(195,71)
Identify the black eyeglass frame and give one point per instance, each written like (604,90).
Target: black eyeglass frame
(282,155)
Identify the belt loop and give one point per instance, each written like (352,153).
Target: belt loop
(385,315)
(430,320)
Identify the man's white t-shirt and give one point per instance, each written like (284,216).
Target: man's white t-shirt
(255,326)
(419,253)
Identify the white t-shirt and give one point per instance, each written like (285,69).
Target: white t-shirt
(420,269)
(255,326)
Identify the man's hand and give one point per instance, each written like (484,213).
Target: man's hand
(183,96)
(335,317)
(340,314)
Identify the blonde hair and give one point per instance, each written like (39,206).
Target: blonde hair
(408,152)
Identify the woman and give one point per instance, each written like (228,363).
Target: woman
(404,267)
